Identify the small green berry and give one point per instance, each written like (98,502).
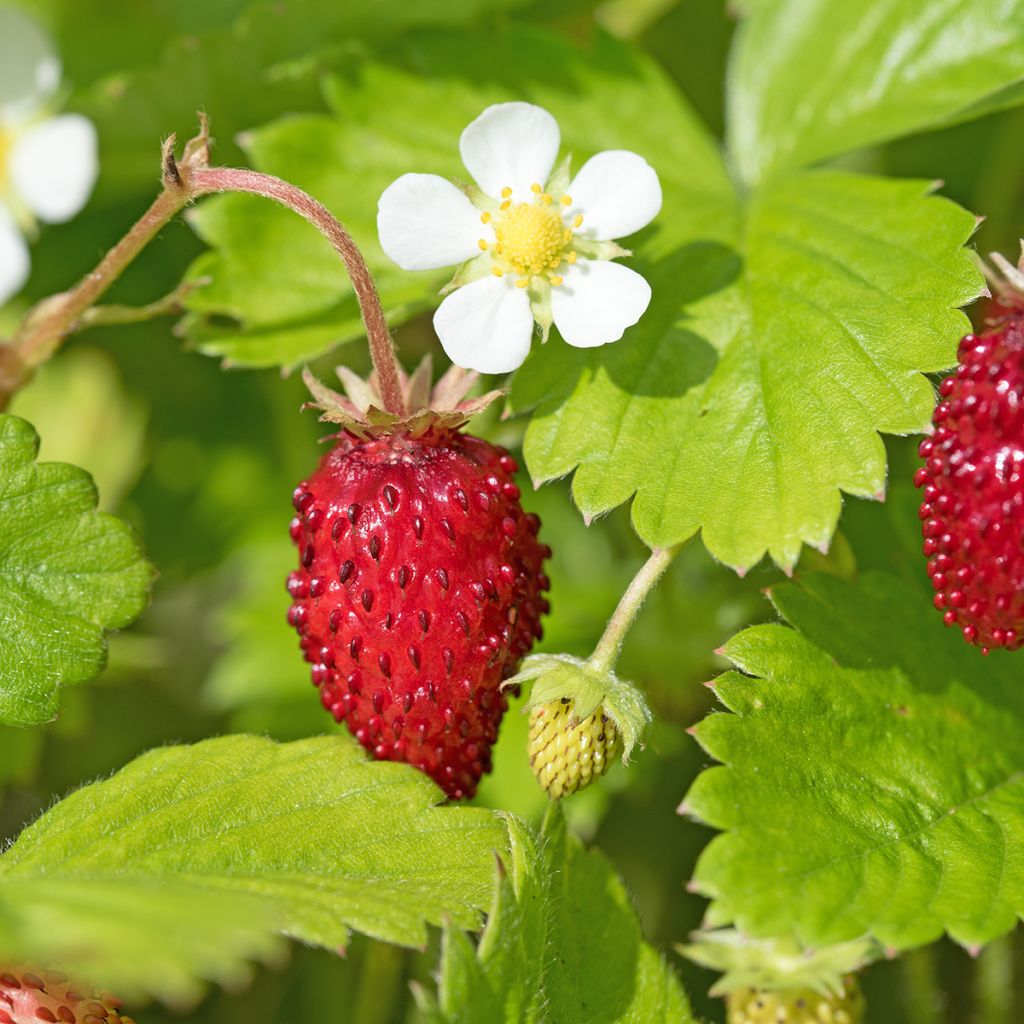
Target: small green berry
(567,757)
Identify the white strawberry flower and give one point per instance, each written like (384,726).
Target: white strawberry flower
(48,163)
(530,245)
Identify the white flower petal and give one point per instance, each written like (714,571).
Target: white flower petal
(29,68)
(617,192)
(486,326)
(511,145)
(597,301)
(425,222)
(54,167)
(14,258)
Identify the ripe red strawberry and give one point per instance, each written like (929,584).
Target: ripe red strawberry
(973,479)
(419,591)
(28,997)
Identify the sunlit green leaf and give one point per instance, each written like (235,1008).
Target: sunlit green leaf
(67,573)
(307,839)
(873,778)
(812,78)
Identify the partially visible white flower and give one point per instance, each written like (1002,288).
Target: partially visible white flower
(48,164)
(532,245)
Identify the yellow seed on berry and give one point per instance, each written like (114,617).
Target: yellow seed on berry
(566,757)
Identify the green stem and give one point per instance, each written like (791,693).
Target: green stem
(922,994)
(606,653)
(50,322)
(994,974)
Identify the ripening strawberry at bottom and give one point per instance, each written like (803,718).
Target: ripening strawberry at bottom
(973,480)
(28,997)
(419,590)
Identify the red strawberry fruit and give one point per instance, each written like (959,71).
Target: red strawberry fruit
(28,997)
(973,480)
(419,588)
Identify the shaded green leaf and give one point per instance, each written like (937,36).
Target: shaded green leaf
(562,943)
(307,839)
(810,79)
(67,573)
(873,780)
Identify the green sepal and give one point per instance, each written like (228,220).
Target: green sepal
(776,965)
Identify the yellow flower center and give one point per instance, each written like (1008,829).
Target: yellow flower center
(530,238)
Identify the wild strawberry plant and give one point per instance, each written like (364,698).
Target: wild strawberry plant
(716,316)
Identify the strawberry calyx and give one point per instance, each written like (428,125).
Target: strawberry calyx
(1006,285)
(361,410)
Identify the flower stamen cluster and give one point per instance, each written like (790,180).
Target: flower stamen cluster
(531,238)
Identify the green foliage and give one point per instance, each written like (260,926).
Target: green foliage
(219,845)
(556,676)
(890,748)
(811,79)
(562,943)
(67,573)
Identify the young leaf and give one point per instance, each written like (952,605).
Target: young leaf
(562,943)
(811,78)
(769,366)
(67,573)
(874,775)
(231,840)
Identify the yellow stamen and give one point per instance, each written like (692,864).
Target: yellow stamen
(523,282)
(577,220)
(555,279)
(506,192)
(497,272)
(482,244)
(536,189)
(571,258)
(567,200)
(506,204)
(485,217)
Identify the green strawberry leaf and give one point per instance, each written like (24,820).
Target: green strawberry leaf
(810,79)
(562,943)
(873,778)
(769,360)
(221,845)
(67,573)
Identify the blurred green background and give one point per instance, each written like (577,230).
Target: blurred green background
(202,462)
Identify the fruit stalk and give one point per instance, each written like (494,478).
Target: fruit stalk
(52,320)
(606,653)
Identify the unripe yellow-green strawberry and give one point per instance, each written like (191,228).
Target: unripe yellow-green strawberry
(796,1006)
(567,757)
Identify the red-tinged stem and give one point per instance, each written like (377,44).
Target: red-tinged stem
(382,349)
(52,320)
